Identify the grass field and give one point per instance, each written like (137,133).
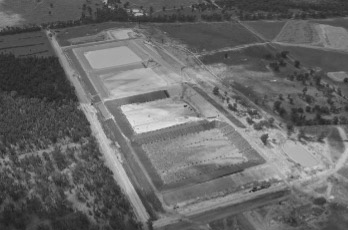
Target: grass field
(329,61)
(209,36)
(37,11)
(27,44)
(268,29)
(252,58)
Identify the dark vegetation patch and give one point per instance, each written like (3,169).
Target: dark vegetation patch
(52,172)
(26,44)
(35,77)
(207,37)
(42,11)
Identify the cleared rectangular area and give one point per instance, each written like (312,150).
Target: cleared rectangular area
(158,114)
(112,57)
(190,155)
(132,82)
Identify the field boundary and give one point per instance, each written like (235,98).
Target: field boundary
(219,107)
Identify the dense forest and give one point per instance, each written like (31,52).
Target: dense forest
(328,8)
(52,174)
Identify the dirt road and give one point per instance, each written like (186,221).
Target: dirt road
(109,153)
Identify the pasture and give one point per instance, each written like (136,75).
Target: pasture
(252,58)
(328,61)
(268,29)
(200,37)
(26,44)
(19,12)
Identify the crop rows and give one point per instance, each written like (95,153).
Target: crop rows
(174,131)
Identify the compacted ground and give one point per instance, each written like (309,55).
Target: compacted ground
(158,114)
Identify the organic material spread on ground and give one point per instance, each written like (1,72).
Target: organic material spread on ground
(159,114)
(106,58)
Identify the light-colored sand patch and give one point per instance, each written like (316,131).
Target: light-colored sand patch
(112,57)
(120,34)
(132,82)
(300,155)
(337,76)
(159,114)
(333,37)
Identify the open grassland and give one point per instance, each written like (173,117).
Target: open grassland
(199,156)
(251,58)
(158,114)
(329,61)
(209,36)
(268,29)
(27,44)
(298,32)
(37,11)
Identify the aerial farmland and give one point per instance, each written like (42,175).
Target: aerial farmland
(180,114)
(189,144)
